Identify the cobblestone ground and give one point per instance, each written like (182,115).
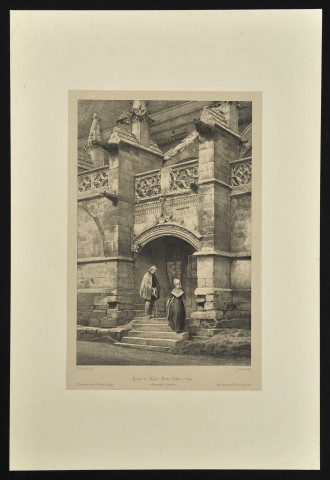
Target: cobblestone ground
(95,353)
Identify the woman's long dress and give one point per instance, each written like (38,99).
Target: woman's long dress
(176,313)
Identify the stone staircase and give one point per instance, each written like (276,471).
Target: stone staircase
(152,334)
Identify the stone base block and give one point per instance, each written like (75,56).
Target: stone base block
(98,314)
(94,322)
(107,322)
(209,315)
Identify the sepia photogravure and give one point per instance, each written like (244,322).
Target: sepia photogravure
(163,235)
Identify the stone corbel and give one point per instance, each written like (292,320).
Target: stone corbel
(135,249)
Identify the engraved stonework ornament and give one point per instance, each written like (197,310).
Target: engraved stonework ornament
(241,174)
(84,183)
(162,218)
(147,186)
(138,109)
(101,180)
(183,178)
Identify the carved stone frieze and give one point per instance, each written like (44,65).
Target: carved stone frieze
(172,203)
(241,174)
(147,186)
(101,179)
(84,183)
(93,182)
(182,178)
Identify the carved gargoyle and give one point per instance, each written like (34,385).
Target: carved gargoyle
(203,128)
(110,196)
(110,147)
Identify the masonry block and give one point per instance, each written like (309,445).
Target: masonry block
(107,322)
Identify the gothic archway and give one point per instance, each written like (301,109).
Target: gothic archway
(165,230)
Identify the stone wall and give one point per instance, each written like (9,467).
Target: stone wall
(241,233)
(241,223)
(96,274)
(89,241)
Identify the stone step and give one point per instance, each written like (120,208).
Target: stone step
(159,342)
(144,347)
(161,327)
(199,338)
(143,318)
(156,334)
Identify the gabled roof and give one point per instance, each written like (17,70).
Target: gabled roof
(182,145)
(120,135)
(214,116)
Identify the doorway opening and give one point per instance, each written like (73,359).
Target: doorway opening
(173,258)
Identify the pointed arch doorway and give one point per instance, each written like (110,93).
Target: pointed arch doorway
(173,258)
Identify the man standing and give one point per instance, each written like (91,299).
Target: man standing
(149,290)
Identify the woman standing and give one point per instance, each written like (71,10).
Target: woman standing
(176,314)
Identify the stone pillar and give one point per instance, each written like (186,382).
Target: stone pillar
(213,291)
